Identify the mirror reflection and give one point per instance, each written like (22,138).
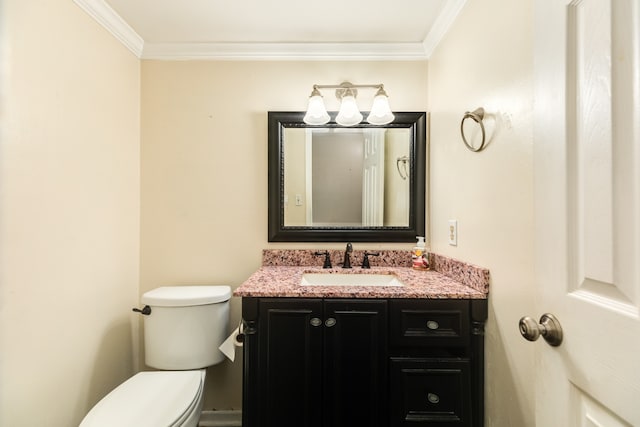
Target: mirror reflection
(334,183)
(345,177)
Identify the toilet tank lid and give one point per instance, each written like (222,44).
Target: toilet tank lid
(184,296)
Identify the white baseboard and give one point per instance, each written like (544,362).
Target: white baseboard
(220,419)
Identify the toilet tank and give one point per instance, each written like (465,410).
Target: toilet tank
(186,326)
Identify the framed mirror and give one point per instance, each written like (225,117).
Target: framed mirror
(331,183)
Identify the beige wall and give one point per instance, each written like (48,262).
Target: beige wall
(204,167)
(396,189)
(296,177)
(71,199)
(486,60)
(69,212)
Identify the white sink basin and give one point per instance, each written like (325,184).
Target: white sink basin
(345,279)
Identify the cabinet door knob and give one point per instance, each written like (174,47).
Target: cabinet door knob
(330,322)
(315,321)
(549,327)
(432,324)
(433,398)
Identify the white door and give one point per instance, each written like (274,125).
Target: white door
(587,194)
(373,178)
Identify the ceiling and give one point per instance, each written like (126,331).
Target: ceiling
(288,29)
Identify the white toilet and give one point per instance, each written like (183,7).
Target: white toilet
(182,333)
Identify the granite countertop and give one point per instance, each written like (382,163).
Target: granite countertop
(282,270)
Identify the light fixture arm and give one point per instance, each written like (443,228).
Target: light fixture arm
(315,91)
(343,88)
(345,85)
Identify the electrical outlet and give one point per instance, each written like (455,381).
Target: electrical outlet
(453,232)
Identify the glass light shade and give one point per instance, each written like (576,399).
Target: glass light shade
(316,112)
(380,111)
(349,115)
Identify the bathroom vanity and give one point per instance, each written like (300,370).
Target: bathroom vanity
(383,355)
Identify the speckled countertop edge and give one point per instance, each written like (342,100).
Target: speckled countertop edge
(282,270)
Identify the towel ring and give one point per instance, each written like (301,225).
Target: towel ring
(477,115)
(404,160)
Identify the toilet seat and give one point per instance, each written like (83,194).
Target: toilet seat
(151,399)
(191,416)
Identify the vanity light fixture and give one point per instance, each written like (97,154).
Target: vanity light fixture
(349,114)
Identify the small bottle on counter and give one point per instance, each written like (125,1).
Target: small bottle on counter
(420,255)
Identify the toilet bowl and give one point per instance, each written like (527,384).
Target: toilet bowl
(183,328)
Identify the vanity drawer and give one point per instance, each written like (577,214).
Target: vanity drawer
(426,323)
(430,392)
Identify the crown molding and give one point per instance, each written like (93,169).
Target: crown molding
(112,22)
(449,14)
(286,51)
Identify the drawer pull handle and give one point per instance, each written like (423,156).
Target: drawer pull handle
(330,322)
(315,321)
(432,324)
(433,398)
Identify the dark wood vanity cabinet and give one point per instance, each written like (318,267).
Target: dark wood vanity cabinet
(312,362)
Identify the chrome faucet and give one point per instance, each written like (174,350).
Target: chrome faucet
(347,256)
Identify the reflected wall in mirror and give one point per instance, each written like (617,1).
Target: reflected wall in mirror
(345,177)
(333,183)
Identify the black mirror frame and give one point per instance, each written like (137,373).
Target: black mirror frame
(278,120)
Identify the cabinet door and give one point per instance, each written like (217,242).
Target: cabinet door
(355,363)
(290,373)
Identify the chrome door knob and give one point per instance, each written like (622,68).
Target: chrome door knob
(549,327)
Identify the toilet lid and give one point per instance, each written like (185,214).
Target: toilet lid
(148,399)
(185,296)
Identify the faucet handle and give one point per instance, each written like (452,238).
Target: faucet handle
(347,256)
(365,260)
(327,259)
